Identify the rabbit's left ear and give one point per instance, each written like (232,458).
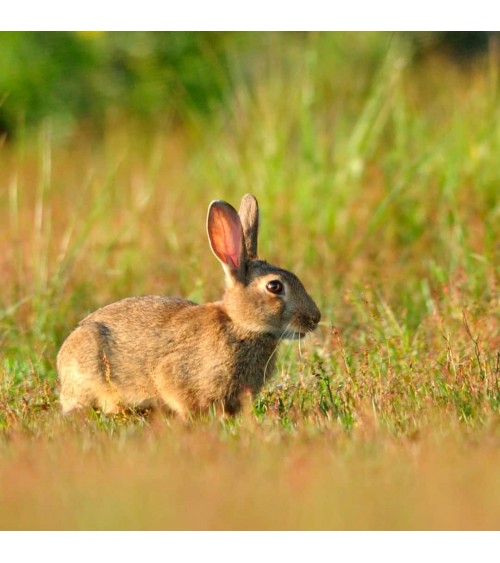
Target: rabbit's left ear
(225,234)
(249,216)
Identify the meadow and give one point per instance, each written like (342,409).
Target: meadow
(378,180)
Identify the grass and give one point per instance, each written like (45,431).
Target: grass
(377,181)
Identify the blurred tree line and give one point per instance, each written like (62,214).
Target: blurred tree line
(72,75)
(67,75)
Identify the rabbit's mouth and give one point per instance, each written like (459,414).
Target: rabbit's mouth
(293,334)
(289,333)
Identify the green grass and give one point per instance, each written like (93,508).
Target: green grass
(378,185)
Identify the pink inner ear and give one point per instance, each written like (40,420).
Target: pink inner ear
(226,235)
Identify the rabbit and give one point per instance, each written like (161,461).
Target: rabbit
(166,351)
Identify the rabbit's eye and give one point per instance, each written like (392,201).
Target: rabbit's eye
(275,286)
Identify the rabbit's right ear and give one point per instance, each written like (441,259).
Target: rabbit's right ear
(225,234)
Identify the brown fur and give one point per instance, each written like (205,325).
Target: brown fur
(161,350)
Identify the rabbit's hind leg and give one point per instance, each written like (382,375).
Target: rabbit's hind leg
(74,397)
(78,396)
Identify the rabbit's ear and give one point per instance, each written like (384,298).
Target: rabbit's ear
(249,216)
(225,234)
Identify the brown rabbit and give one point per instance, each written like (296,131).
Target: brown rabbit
(151,350)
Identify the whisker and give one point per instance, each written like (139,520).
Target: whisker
(280,338)
(300,360)
(290,341)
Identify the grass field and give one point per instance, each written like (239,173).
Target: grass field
(378,183)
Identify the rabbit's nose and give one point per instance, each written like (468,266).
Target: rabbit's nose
(312,319)
(316,316)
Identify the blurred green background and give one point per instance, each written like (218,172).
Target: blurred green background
(171,76)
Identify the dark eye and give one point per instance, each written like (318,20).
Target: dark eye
(274,286)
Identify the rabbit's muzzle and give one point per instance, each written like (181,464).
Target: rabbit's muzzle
(307,322)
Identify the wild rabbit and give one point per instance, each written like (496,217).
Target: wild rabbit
(143,351)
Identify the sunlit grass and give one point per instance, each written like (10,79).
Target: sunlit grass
(378,185)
